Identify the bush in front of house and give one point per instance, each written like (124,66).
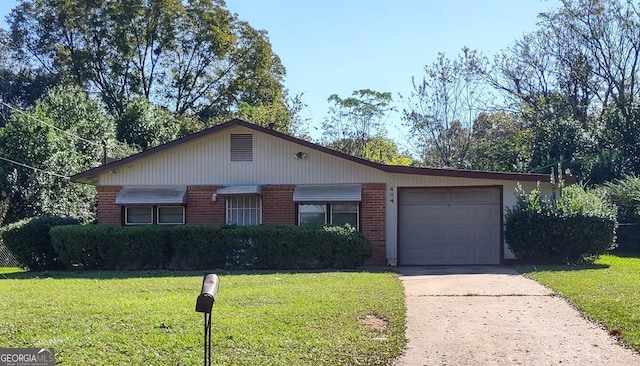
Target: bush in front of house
(108,247)
(212,247)
(576,226)
(29,241)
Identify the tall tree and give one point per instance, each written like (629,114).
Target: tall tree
(20,86)
(576,78)
(146,126)
(59,136)
(354,121)
(193,57)
(442,107)
(500,143)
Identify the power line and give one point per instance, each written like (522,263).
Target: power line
(34,168)
(50,125)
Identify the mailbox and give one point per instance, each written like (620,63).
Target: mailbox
(208,293)
(204,303)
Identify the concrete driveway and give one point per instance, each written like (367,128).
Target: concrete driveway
(493,316)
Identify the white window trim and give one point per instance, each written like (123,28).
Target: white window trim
(227,208)
(126,216)
(169,223)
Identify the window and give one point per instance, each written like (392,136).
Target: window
(241,147)
(312,214)
(329,213)
(138,215)
(144,215)
(243,210)
(345,213)
(170,215)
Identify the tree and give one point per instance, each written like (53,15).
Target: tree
(385,151)
(576,78)
(146,126)
(353,121)
(442,108)
(59,136)
(193,57)
(20,86)
(500,143)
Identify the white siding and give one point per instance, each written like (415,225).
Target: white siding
(207,161)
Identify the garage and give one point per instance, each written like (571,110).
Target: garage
(444,226)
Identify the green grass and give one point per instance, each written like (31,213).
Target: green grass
(149,318)
(608,291)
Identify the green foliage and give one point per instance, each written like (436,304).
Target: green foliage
(43,136)
(500,143)
(146,126)
(355,120)
(578,225)
(559,140)
(250,247)
(30,242)
(443,106)
(4,207)
(625,194)
(194,57)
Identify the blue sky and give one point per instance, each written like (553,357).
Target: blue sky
(338,46)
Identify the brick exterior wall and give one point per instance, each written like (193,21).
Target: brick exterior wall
(108,212)
(278,207)
(374,221)
(201,209)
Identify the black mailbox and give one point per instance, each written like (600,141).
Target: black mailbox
(208,293)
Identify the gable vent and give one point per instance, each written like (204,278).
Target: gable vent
(241,147)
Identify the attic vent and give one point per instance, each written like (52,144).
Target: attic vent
(241,147)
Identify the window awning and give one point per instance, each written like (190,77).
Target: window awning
(328,193)
(237,190)
(152,196)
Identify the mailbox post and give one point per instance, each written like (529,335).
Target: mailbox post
(204,303)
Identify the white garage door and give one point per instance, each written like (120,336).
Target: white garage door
(449,226)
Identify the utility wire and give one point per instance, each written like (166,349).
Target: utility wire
(34,168)
(550,165)
(50,125)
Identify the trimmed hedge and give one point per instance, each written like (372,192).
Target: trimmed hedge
(576,227)
(29,241)
(210,247)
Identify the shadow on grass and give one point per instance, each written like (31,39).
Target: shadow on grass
(159,273)
(625,254)
(528,268)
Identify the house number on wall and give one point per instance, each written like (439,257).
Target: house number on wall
(391,194)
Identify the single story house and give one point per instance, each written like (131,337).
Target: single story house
(243,174)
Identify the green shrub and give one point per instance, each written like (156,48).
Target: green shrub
(625,194)
(576,226)
(29,241)
(185,246)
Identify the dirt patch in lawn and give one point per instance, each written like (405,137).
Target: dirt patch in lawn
(374,322)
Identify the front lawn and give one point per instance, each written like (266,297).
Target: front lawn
(149,318)
(608,291)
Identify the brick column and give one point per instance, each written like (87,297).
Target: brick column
(201,209)
(278,207)
(108,212)
(374,221)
